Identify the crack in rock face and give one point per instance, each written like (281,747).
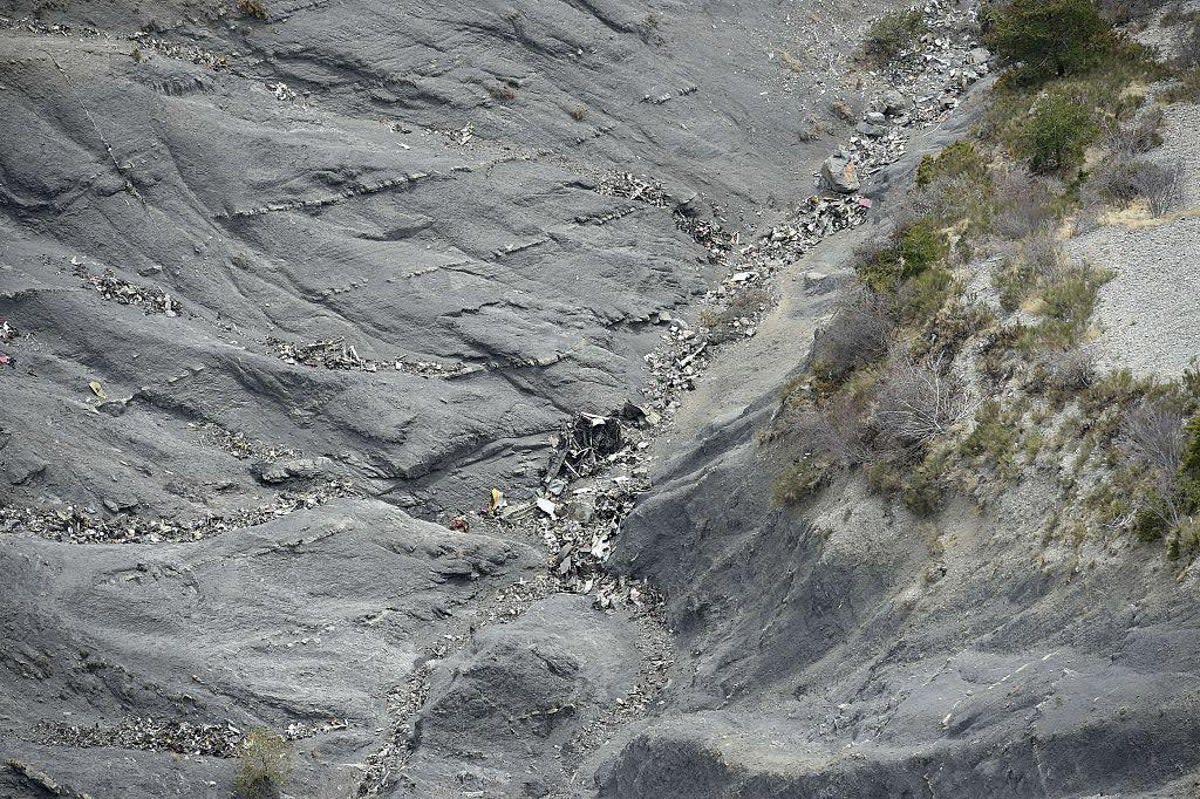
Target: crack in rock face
(382,393)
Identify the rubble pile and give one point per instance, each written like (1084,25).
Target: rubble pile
(920,90)
(152,300)
(37,26)
(156,735)
(335,353)
(147,734)
(432,368)
(181,52)
(709,234)
(242,447)
(330,353)
(77,526)
(818,217)
(633,188)
(590,486)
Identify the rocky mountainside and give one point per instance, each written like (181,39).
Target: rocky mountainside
(389,395)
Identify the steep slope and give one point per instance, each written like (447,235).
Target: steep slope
(257,262)
(850,646)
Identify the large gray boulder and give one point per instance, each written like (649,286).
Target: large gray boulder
(839,173)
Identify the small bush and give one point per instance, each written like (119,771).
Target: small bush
(924,490)
(1057,135)
(950,327)
(994,436)
(921,246)
(264,765)
(1024,205)
(953,200)
(1187,89)
(961,159)
(1123,182)
(1118,387)
(801,480)
(915,248)
(1162,451)
(1050,37)
(1038,261)
(1063,374)
(1141,137)
(920,298)
(892,35)
(1188,46)
(1067,307)
(917,402)
(832,430)
(859,333)
(253,8)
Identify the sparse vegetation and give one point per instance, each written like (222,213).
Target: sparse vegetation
(892,35)
(253,8)
(264,765)
(994,437)
(1122,182)
(927,391)
(501,91)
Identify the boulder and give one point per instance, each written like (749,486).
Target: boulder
(871,130)
(894,103)
(839,173)
(980,55)
(281,471)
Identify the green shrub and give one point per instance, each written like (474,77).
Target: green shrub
(264,765)
(924,492)
(1057,135)
(893,34)
(913,250)
(1067,302)
(951,325)
(961,159)
(801,480)
(921,246)
(921,297)
(994,436)
(1050,37)
(1189,467)
(880,268)
(1186,89)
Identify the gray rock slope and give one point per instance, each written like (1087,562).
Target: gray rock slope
(188,193)
(425,181)
(251,266)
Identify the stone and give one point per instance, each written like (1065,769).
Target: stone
(894,102)
(873,131)
(817,283)
(840,174)
(980,55)
(282,471)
